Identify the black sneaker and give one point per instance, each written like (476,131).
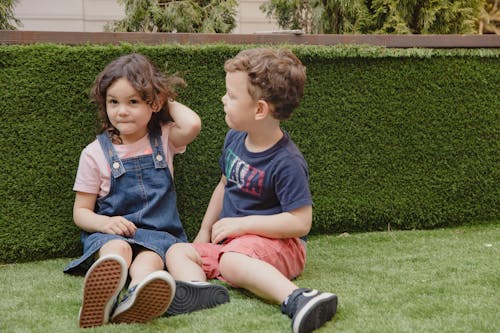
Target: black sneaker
(194,296)
(309,309)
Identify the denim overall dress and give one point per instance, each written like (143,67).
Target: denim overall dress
(142,191)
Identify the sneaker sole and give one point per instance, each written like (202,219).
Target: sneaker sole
(150,300)
(103,283)
(191,297)
(315,313)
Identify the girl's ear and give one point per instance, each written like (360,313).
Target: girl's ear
(158,104)
(263,109)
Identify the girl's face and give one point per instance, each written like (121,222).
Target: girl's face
(127,111)
(239,106)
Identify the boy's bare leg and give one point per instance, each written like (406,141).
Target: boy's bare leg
(257,276)
(309,309)
(184,263)
(193,293)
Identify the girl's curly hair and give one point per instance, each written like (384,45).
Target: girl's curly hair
(154,87)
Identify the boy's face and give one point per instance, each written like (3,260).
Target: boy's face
(239,106)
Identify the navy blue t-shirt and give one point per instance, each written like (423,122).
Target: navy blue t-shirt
(264,183)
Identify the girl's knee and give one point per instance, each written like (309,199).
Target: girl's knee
(148,258)
(118,247)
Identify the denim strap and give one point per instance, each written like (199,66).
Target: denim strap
(115,163)
(158,154)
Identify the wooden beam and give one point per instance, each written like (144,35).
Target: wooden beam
(391,41)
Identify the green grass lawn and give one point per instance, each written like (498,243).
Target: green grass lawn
(445,280)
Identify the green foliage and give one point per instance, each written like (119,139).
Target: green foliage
(292,14)
(377,16)
(340,16)
(7,19)
(208,16)
(426,17)
(489,18)
(394,138)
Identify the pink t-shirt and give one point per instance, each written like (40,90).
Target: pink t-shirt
(94,174)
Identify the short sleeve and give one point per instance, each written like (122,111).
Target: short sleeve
(88,178)
(292,184)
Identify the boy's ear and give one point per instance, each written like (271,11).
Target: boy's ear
(263,109)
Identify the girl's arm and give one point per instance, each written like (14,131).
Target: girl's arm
(85,217)
(212,213)
(187,124)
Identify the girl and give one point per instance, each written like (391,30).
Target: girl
(125,200)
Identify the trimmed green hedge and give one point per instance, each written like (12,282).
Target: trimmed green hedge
(399,138)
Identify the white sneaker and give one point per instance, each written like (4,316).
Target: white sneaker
(103,283)
(147,300)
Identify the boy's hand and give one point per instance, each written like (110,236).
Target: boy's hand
(118,225)
(227,228)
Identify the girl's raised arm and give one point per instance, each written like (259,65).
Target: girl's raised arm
(187,124)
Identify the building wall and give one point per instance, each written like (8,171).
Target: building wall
(250,19)
(92,15)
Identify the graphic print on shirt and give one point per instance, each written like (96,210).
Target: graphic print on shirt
(248,178)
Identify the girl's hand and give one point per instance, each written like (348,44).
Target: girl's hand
(118,225)
(228,228)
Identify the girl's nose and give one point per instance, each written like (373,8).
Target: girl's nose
(122,110)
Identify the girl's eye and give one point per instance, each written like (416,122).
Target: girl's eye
(134,101)
(112,101)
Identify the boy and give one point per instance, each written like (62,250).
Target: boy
(253,234)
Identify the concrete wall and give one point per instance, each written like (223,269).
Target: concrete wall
(92,15)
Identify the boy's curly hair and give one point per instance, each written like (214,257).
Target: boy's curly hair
(154,87)
(275,75)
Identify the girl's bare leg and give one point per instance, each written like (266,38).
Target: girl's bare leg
(144,263)
(118,247)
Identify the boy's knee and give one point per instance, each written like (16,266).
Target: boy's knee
(176,248)
(230,267)
(180,250)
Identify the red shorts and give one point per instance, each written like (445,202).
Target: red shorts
(288,255)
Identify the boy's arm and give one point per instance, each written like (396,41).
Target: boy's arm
(187,124)
(295,223)
(85,218)
(212,213)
